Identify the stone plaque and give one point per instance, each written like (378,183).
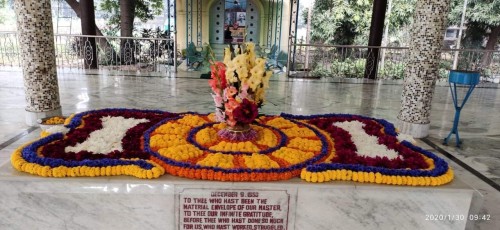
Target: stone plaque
(233,209)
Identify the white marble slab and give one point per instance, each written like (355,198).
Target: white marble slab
(381,207)
(28,202)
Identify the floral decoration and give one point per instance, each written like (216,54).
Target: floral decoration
(239,85)
(414,166)
(54,121)
(201,154)
(51,157)
(149,143)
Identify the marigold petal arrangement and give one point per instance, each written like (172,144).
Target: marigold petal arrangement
(150,143)
(202,154)
(94,143)
(412,166)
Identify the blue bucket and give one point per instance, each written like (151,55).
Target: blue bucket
(464,77)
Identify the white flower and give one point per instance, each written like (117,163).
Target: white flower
(220,116)
(366,145)
(405,137)
(57,129)
(109,138)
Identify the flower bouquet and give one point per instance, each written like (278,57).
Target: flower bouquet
(239,84)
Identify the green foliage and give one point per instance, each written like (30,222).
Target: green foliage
(392,70)
(144,10)
(113,8)
(480,16)
(320,71)
(484,11)
(2,6)
(155,48)
(347,22)
(444,67)
(355,68)
(154,33)
(401,14)
(184,53)
(491,70)
(304,16)
(347,68)
(110,31)
(339,21)
(481,12)
(474,36)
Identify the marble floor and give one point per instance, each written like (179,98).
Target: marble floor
(479,124)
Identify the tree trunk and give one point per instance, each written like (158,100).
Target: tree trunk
(88,28)
(103,43)
(127,14)
(375,38)
(490,46)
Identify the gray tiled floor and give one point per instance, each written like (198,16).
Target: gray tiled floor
(479,124)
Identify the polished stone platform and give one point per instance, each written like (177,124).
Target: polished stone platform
(29,202)
(184,91)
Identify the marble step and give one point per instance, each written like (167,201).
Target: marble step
(176,203)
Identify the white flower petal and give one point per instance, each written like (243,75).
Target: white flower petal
(109,138)
(366,145)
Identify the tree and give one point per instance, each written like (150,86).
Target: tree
(401,14)
(342,22)
(104,44)
(481,16)
(339,21)
(122,13)
(141,9)
(89,28)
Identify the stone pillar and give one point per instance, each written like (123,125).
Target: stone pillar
(422,66)
(36,37)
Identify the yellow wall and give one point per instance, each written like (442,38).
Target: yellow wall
(285,25)
(181,22)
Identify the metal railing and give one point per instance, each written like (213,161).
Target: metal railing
(113,53)
(9,49)
(349,61)
(158,55)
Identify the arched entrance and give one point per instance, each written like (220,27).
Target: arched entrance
(234,21)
